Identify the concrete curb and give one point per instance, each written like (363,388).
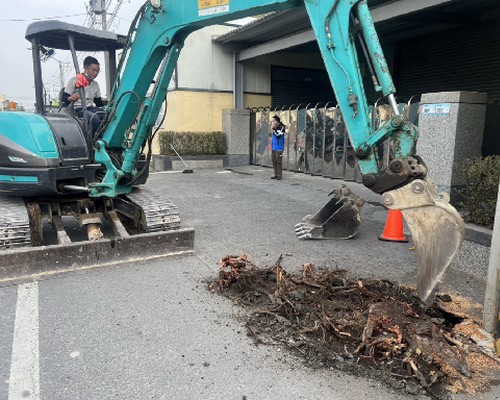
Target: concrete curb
(35,263)
(478,234)
(173,163)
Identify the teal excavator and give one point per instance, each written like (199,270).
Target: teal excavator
(56,165)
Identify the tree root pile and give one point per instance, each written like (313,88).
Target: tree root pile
(373,328)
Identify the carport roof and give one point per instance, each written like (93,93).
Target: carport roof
(395,20)
(268,27)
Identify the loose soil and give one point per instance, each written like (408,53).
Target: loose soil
(372,328)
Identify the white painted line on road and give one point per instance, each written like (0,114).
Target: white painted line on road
(24,381)
(165,172)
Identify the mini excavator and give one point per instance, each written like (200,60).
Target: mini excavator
(55,165)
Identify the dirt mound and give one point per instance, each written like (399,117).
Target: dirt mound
(373,328)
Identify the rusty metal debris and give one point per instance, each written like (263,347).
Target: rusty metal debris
(371,327)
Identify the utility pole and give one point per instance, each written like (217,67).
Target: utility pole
(103,15)
(61,74)
(109,84)
(98,7)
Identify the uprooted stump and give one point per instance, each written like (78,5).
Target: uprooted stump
(372,327)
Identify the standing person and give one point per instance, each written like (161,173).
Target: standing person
(93,101)
(278,145)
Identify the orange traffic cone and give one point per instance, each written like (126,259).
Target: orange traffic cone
(393,231)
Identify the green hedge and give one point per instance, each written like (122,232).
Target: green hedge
(479,196)
(192,143)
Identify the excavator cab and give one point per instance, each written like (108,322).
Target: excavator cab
(47,157)
(46,37)
(51,151)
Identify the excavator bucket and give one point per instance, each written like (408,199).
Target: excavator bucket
(338,219)
(436,227)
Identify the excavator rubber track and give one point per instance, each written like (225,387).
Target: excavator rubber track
(159,214)
(14,224)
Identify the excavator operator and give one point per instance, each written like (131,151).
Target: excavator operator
(93,101)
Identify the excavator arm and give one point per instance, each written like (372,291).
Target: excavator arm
(155,40)
(436,227)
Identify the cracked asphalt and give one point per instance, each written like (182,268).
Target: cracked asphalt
(151,330)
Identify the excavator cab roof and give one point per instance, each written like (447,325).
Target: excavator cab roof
(54,34)
(47,36)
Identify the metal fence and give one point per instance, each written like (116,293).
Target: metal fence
(316,140)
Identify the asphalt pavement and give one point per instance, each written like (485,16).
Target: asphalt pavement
(152,330)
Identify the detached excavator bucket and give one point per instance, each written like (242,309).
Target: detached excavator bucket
(338,219)
(436,228)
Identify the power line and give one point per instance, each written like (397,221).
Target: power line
(43,18)
(123,19)
(19,97)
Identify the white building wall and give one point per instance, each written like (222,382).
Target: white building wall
(203,65)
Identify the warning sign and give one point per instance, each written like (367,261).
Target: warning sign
(211,7)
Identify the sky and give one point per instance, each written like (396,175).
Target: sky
(16,67)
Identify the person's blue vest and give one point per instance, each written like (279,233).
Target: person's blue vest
(279,141)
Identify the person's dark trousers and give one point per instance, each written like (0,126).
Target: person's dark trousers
(96,115)
(277,156)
